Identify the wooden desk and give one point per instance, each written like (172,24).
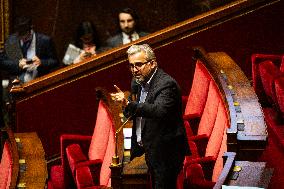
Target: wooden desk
(135,174)
(32,164)
(253,174)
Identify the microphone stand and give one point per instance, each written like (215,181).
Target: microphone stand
(115,158)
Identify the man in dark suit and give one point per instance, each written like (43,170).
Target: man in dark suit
(129,31)
(158,129)
(28,54)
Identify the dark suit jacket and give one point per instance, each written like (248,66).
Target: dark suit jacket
(163,133)
(116,40)
(44,50)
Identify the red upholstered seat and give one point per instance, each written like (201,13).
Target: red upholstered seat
(198,93)
(279,90)
(6,167)
(282,64)
(210,110)
(211,160)
(207,120)
(256,59)
(83,156)
(195,178)
(268,73)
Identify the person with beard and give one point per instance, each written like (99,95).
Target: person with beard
(128,23)
(158,129)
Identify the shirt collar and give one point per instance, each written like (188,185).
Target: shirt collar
(147,84)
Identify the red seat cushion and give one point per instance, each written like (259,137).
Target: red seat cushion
(195,178)
(279,90)
(268,72)
(198,93)
(84,177)
(56,178)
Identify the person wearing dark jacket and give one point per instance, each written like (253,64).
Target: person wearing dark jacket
(28,54)
(158,129)
(129,31)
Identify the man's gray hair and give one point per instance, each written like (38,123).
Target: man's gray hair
(150,55)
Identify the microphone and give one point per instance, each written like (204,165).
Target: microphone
(115,158)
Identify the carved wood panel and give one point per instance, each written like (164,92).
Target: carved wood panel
(4,21)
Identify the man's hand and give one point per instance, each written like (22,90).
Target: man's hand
(119,96)
(36,61)
(22,63)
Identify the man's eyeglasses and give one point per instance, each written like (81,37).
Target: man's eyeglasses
(138,65)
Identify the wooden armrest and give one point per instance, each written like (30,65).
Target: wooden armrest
(229,158)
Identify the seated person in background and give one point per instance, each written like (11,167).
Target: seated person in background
(86,44)
(28,54)
(128,23)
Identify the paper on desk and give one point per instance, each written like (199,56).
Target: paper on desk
(127,133)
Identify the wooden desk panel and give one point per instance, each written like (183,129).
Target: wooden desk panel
(253,174)
(33,173)
(135,174)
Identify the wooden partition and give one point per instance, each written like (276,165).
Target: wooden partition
(64,101)
(29,168)
(4,21)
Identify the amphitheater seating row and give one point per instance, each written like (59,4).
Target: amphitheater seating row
(206,120)
(85,160)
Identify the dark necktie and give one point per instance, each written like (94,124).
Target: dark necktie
(26,46)
(130,38)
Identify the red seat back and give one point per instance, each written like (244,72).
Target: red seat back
(216,137)
(268,72)
(282,64)
(279,90)
(6,167)
(103,144)
(210,110)
(199,90)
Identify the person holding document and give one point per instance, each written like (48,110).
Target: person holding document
(27,53)
(158,129)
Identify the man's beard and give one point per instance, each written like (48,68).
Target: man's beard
(128,31)
(140,80)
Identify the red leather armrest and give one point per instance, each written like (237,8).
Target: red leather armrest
(207,164)
(193,120)
(201,143)
(67,139)
(94,167)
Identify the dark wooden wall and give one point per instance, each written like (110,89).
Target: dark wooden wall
(59,18)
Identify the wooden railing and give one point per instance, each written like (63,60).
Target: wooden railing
(63,101)
(247,134)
